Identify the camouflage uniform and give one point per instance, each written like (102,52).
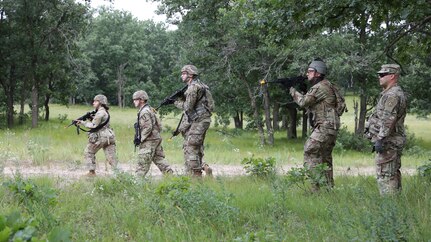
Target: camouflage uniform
(102,138)
(321,103)
(150,149)
(386,123)
(196,121)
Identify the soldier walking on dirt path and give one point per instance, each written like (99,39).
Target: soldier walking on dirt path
(147,136)
(100,135)
(385,128)
(198,106)
(321,103)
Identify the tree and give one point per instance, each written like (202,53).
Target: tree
(38,36)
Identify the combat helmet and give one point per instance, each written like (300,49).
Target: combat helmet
(101,98)
(318,65)
(140,95)
(190,69)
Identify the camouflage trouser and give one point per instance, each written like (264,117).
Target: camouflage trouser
(388,166)
(193,146)
(97,142)
(318,150)
(152,151)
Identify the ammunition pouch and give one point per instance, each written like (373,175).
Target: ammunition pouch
(199,112)
(372,127)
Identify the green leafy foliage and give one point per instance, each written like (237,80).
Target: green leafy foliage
(425,171)
(38,200)
(350,141)
(259,167)
(16,227)
(301,177)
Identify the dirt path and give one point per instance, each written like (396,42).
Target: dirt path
(77,172)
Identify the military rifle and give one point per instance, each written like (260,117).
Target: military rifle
(88,115)
(171,99)
(288,82)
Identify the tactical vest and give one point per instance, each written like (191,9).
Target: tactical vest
(155,122)
(324,113)
(204,104)
(391,101)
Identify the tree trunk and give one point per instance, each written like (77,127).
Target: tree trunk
(267,107)
(275,116)
(46,105)
(34,106)
(238,120)
(22,106)
(121,81)
(255,110)
(9,90)
(304,124)
(362,77)
(362,114)
(355,108)
(48,98)
(291,128)
(284,121)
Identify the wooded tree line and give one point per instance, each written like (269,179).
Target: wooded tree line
(60,51)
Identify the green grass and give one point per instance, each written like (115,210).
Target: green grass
(52,143)
(242,209)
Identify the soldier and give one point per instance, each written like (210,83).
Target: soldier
(100,135)
(321,102)
(198,105)
(385,128)
(148,137)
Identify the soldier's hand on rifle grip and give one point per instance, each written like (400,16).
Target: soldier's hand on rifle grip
(292,91)
(78,122)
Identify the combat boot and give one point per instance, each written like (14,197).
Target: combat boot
(197,173)
(91,173)
(208,170)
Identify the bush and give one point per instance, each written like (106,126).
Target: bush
(425,171)
(259,167)
(15,227)
(299,176)
(38,200)
(350,141)
(178,196)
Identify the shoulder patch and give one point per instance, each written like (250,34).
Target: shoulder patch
(390,103)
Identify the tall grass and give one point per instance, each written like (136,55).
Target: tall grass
(241,209)
(52,143)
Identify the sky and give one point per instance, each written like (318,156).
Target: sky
(141,9)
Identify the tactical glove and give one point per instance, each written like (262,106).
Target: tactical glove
(292,91)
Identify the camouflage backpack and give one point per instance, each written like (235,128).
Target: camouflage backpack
(341,106)
(209,100)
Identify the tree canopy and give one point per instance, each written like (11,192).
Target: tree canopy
(61,51)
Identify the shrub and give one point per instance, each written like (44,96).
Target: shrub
(259,167)
(38,200)
(425,171)
(299,176)
(15,227)
(178,196)
(350,141)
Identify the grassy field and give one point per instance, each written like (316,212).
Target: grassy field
(125,208)
(52,143)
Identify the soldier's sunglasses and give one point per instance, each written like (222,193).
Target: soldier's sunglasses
(383,74)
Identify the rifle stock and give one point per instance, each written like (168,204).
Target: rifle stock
(169,100)
(82,118)
(288,82)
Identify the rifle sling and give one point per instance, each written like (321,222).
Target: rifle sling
(98,127)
